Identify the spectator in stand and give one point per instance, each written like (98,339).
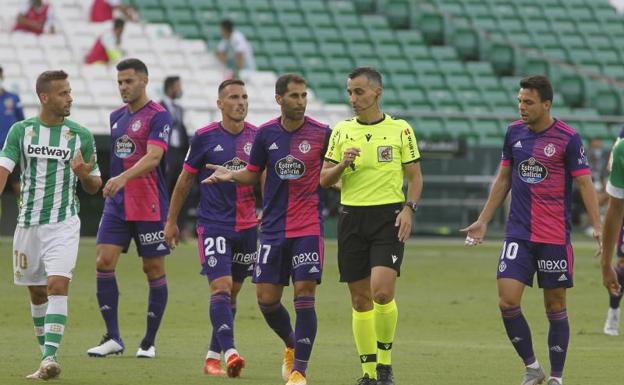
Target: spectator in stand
(10,112)
(234,51)
(35,17)
(105,10)
(107,48)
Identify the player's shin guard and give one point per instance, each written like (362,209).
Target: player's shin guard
(38,313)
(558,338)
(108,300)
(215,347)
(305,332)
(385,325)
(278,319)
(55,319)
(363,324)
(519,333)
(222,320)
(157,302)
(614,301)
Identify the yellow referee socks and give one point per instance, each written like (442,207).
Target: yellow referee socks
(364,334)
(385,325)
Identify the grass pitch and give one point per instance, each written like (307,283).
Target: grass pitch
(449,331)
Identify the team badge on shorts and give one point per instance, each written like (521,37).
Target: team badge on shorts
(212,261)
(502,266)
(384,154)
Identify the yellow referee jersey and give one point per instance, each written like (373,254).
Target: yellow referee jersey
(376,177)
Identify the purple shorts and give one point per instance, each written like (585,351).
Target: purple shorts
(521,259)
(224,253)
(278,260)
(149,237)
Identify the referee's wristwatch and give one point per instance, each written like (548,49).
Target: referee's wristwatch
(412,205)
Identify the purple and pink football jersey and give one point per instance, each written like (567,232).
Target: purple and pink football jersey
(543,166)
(144,198)
(292,194)
(226,206)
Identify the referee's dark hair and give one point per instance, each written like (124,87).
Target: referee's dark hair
(541,84)
(281,85)
(132,64)
(371,74)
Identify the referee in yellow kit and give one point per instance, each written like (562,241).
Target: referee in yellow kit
(371,154)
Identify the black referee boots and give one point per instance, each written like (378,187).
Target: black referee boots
(384,375)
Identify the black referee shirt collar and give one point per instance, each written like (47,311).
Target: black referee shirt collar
(372,123)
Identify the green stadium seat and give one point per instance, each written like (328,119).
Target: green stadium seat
(466,41)
(503,59)
(401,80)
(331,34)
(319,20)
(180,15)
(199,5)
(398,14)
(298,35)
(607,102)
(319,79)
(154,15)
(264,20)
(365,6)
(396,66)
(285,64)
(254,6)
(480,68)
(452,67)
(290,19)
(188,31)
(147,3)
(615,72)
(572,88)
(433,27)
(572,41)
(332,49)
(417,52)
(460,81)
(597,130)
(432,81)
(230,6)
(312,6)
(351,35)
(276,47)
(425,65)
(341,65)
(535,66)
(359,49)
(346,20)
(452,8)
(284,5)
(489,127)
(431,128)
(368,61)
(486,82)
(389,51)
(608,56)
(271,33)
(263,61)
(305,48)
(182,4)
(409,38)
(331,95)
(314,63)
(412,96)
(461,128)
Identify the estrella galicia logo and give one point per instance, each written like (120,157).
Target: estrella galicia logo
(235,164)
(124,147)
(289,168)
(532,171)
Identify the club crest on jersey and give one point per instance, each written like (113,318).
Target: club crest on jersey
(289,168)
(68,135)
(247,148)
(136,126)
(124,147)
(384,154)
(304,147)
(235,164)
(532,171)
(550,150)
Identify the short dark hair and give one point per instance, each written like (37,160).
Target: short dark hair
(119,23)
(227,25)
(1,71)
(132,64)
(229,82)
(281,85)
(47,77)
(371,74)
(170,81)
(541,84)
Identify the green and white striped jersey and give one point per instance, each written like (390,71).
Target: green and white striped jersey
(48,184)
